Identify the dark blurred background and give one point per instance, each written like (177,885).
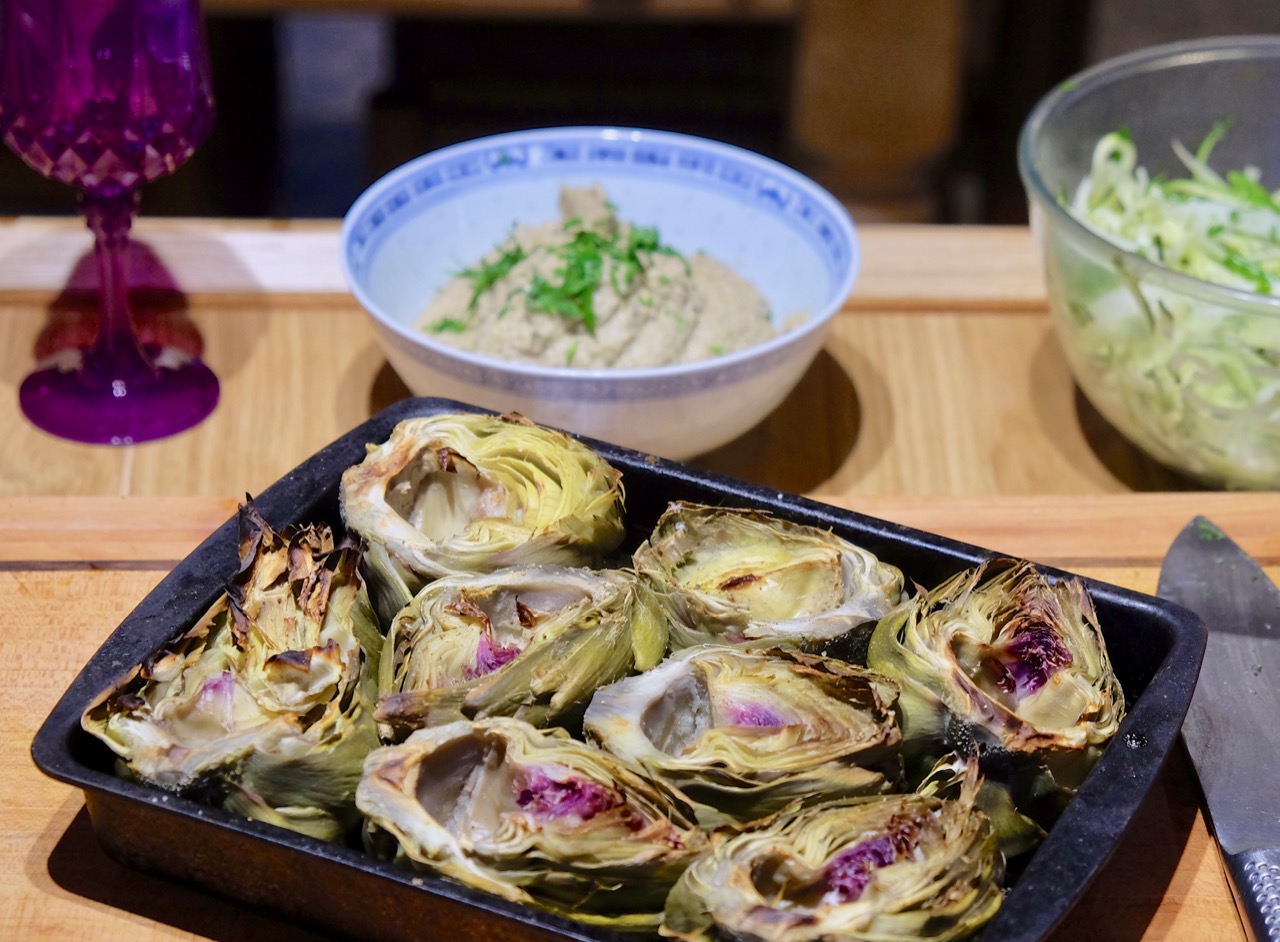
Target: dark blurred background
(909,110)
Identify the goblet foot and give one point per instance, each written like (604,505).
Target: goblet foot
(102,404)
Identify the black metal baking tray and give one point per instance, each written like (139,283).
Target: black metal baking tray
(1156,648)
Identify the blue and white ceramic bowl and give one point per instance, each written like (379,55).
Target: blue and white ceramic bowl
(412,230)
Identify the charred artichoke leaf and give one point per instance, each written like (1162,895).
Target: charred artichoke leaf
(745,734)
(1008,663)
(532,816)
(953,773)
(465,492)
(880,869)
(747,577)
(266,704)
(532,642)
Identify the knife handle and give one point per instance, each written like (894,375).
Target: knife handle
(1255,877)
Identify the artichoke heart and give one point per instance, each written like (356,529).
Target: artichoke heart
(266,705)
(532,816)
(531,642)
(1006,663)
(891,867)
(455,493)
(745,734)
(746,577)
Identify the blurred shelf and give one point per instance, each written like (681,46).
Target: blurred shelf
(560,9)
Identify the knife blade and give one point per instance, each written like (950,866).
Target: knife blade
(1232,728)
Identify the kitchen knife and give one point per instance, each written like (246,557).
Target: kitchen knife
(1232,729)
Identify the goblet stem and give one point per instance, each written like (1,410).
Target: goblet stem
(119,393)
(116,349)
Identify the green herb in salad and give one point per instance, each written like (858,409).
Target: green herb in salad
(1222,228)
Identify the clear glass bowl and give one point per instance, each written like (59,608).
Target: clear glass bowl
(1187,370)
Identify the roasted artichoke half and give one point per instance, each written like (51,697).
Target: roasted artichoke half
(266,705)
(746,577)
(744,734)
(883,869)
(532,816)
(1003,662)
(465,492)
(532,642)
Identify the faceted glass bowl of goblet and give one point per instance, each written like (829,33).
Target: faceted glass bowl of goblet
(106,95)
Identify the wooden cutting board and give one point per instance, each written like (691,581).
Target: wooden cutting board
(71,569)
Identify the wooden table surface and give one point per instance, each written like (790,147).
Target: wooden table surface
(941,401)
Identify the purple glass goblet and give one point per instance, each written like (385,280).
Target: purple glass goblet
(105,95)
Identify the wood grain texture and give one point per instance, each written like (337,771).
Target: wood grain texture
(1165,882)
(902,265)
(1120,532)
(941,375)
(87,533)
(942,401)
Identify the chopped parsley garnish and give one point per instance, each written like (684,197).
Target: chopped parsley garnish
(570,292)
(592,253)
(487,274)
(448,325)
(483,277)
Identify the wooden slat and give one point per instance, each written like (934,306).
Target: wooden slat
(50,532)
(902,265)
(41,255)
(991,267)
(1121,531)
(982,404)
(942,401)
(1101,531)
(1166,882)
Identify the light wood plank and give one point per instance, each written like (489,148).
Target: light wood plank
(992,267)
(48,254)
(57,884)
(1118,533)
(157,531)
(923,403)
(1166,882)
(941,379)
(902,265)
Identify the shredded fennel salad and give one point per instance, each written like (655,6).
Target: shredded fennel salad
(1223,229)
(1198,383)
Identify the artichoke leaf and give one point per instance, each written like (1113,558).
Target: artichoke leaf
(1009,664)
(532,642)
(745,733)
(880,869)
(456,493)
(533,816)
(747,577)
(954,775)
(266,704)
